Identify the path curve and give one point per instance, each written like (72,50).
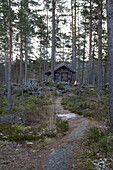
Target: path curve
(61,157)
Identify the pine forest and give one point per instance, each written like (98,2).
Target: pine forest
(56,84)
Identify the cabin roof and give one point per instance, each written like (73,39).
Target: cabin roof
(69,67)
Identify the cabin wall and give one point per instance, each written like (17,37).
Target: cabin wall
(63,75)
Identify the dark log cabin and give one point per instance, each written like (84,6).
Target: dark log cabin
(62,73)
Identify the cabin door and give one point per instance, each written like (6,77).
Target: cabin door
(64,77)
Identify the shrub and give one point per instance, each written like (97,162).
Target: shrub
(87,114)
(60,87)
(94,134)
(61,125)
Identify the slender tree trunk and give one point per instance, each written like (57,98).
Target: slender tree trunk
(93,70)
(53,41)
(21,63)
(78,73)
(105,71)
(110,56)
(26,58)
(90,43)
(84,54)
(10,56)
(47,44)
(101,14)
(72,33)
(6,66)
(99,50)
(17,74)
(74,57)
(39,72)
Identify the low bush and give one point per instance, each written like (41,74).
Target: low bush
(94,134)
(61,125)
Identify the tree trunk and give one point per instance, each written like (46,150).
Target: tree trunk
(6,66)
(74,57)
(84,54)
(21,63)
(10,56)
(39,71)
(53,41)
(110,56)
(17,72)
(47,45)
(90,43)
(78,73)
(99,49)
(93,72)
(105,71)
(26,58)
(72,33)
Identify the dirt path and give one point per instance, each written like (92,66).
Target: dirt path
(56,155)
(61,157)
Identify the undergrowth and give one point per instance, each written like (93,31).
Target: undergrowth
(89,104)
(40,121)
(20,133)
(96,150)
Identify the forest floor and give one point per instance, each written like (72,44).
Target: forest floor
(56,154)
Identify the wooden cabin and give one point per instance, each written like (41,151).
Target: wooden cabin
(62,73)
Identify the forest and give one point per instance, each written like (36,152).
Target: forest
(56,84)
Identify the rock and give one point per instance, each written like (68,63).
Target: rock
(52,88)
(87,86)
(91,89)
(72,96)
(60,92)
(11,118)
